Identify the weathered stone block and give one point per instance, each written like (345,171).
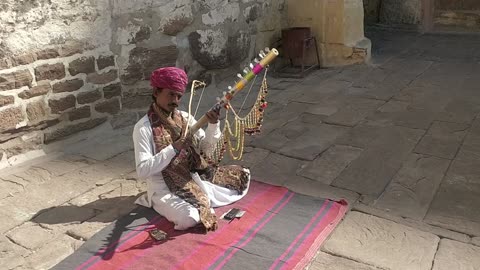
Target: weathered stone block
(112,90)
(50,72)
(82,65)
(383,243)
(209,48)
(9,258)
(41,89)
(143,61)
(111,106)
(10,117)
(36,111)
(68,86)
(79,113)
(142,34)
(89,97)
(72,129)
(102,78)
(24,59)
(136,101)
(71,48)
(6,100)
(174,26)
(23,235)
(47,54)
(15,80)
(105,61)
(62,104)
(455,255)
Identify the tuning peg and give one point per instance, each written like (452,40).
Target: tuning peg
(239,76)
(246,70)
(262,52)
(267,49)
(218,99)
(256,60)
(224,93)
(251,65)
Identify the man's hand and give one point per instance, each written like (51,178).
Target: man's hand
(181,143)
(212,116)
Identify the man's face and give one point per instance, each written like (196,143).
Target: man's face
(167,99)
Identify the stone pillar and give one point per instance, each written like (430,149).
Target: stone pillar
(337,26)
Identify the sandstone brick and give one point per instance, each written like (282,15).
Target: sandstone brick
(82,65)
(142,34)
(111,106)
(62,104)
(143,61)
(10,117)
(79,113)
(102,78)
(112,90)
(105,61)
(71,48)
(40,89)
(36,111)
(24,59)
(50,72)
(6,100)
(89,97)
(72,129)
(47,54)
(7,81)
(176,25)
(5,63)
(68,86)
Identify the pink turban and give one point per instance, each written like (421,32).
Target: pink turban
(169,77)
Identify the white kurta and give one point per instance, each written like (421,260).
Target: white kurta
(149,166)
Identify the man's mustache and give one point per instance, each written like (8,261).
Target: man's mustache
(173,105)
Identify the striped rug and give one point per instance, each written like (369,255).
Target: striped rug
(280,230)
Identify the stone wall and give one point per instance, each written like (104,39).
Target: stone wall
(71,65)
(392,12)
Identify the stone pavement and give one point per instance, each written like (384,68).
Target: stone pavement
(399,139)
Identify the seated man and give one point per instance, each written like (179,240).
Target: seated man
(181,186)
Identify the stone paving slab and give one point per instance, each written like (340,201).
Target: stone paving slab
(470,148)
(330,163)
(309,145)
(419,225)
(371,172)
(11,255)
(399,113)
(412,189)
(382,243)
(276,169)
(456,255)
(324,261)
(442,139)
(308,187)
(455,206)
